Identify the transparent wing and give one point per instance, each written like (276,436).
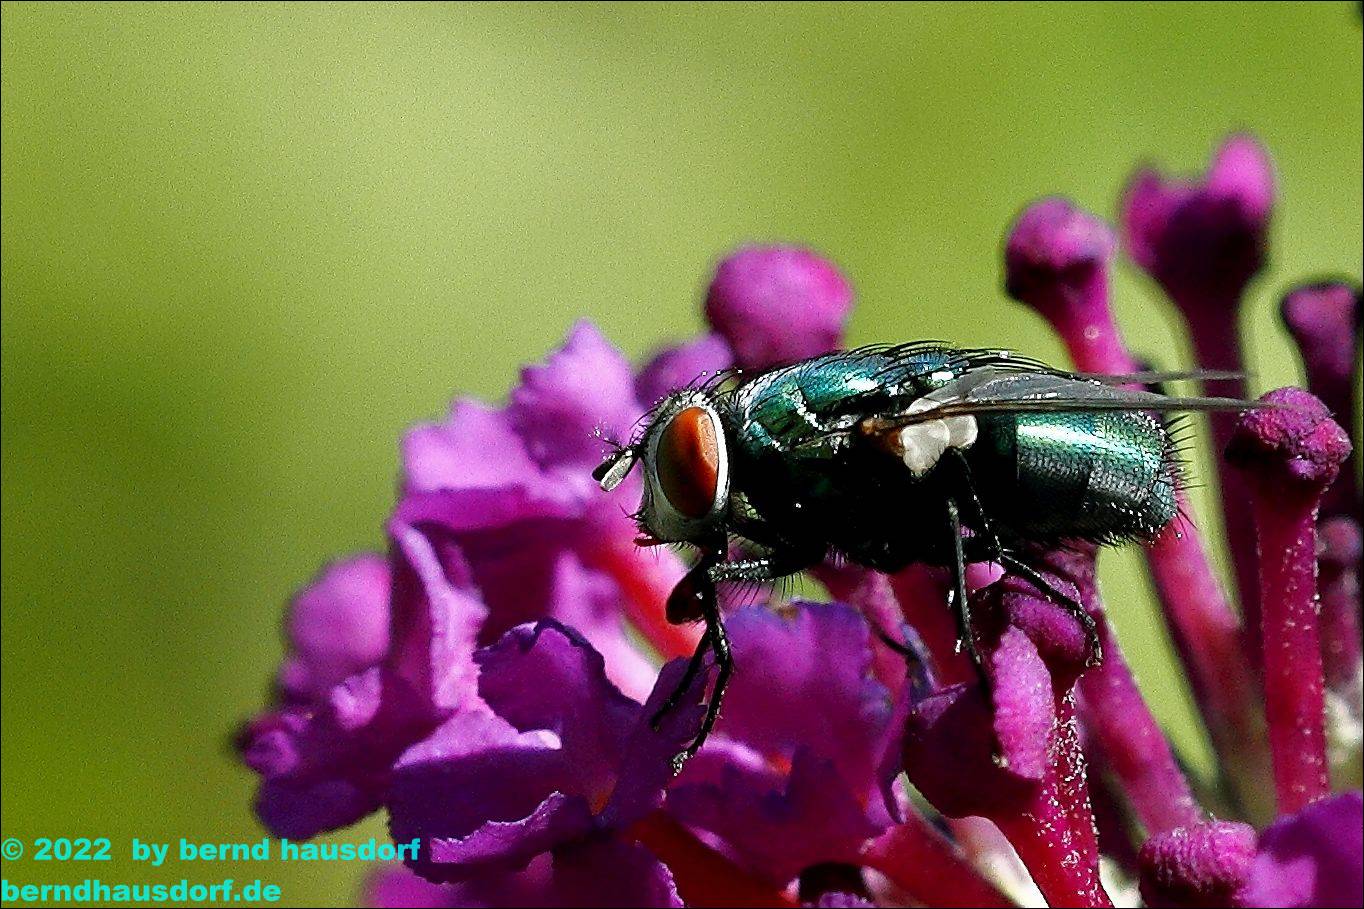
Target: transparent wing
(997,390)
(1152,377)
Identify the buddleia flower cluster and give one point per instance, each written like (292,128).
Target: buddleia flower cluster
(488,681)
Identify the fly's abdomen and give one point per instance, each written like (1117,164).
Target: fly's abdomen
(1101,476)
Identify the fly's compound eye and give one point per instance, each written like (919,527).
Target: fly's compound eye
(688,463)
(689,474)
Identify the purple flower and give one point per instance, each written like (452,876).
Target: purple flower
(793,778)
(1202,242)
(1290,452)
(1012,754)
(558,761)
(1201,865)
(337,627)
(778,304)
(325,757)
(1311,858)
(1066,281)
(493,680)
(509,492)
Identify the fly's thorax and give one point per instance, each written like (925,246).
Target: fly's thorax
(686,470)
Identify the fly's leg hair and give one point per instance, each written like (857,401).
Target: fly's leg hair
(1071,605)
(781,560)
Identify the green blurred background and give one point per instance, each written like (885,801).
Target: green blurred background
(244,246)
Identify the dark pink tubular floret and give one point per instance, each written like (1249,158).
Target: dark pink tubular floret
(1289,452)
(1203,241)
(1199,866)
(1324,320)
(1013,755)
(1057,261)
(778,304)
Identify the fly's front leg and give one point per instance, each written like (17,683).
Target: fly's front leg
(690,600)
(724,662)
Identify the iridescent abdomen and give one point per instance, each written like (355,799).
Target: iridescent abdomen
(1101,476)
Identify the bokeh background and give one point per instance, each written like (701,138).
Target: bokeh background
(244,246)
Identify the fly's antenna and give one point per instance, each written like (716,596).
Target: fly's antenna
(611,472)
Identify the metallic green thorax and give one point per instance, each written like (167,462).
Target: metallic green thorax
(801,475)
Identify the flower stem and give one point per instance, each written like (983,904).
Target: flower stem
(1294,699)
(1216,339)
(1055,836)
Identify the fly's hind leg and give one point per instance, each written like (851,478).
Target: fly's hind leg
(996,553)
(1071,605)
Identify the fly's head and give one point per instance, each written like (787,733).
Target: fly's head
(685,458)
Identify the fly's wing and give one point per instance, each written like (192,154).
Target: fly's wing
(1155,377)
(998,390)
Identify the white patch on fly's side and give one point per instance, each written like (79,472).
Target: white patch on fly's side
(922,444)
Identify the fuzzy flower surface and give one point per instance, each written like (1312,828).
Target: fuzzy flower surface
(492,681)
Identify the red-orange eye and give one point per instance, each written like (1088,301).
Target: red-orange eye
(688,463)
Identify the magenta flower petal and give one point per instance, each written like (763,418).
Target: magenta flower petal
(648,752)
(593,873)
(512,491)
(793,777)
(547,677)
(558,819)
(811,686)
(778,304)
(778,823)
(390,887)
(326,762)
(338,626)
(1020,764)
(436,618)
(476,447)
(610,874)
(584,389)
(557,756)
(326,766)
(477,775)
(681,367)
(1312,858)
(1202,865)
(949,755)
(1024,713)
